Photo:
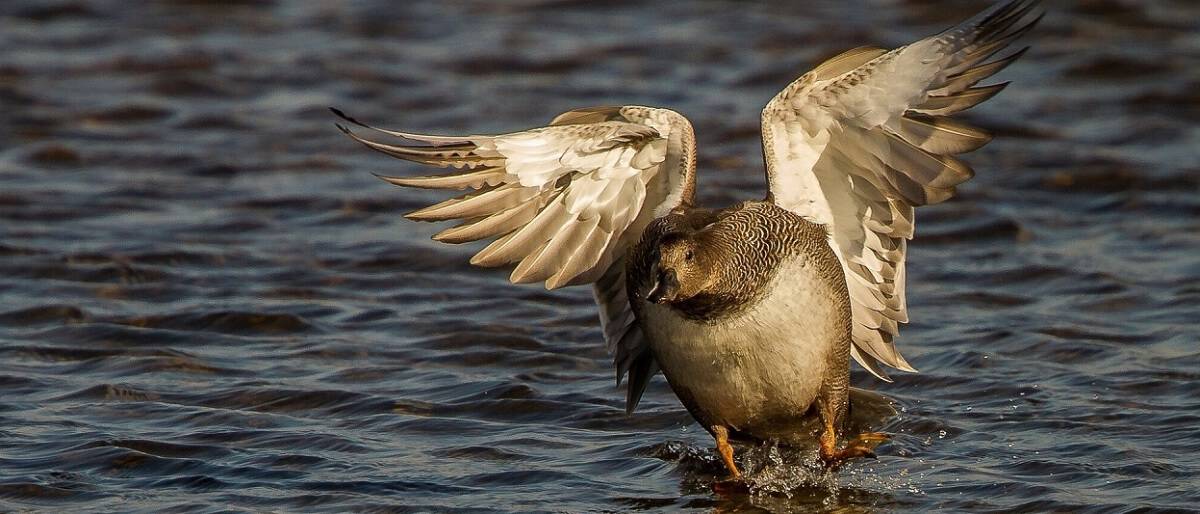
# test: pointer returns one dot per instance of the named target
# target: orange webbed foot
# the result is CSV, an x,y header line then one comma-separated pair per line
x,y
721,434
861,446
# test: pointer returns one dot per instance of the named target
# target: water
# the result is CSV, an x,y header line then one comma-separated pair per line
x,y
207,302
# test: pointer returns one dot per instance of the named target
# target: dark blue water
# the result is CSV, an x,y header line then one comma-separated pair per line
x,y
208,303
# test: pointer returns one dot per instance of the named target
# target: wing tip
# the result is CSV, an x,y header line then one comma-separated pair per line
x,y
880,374
395,181
631,405
486,259
449,236
1017,55
556,281
430,213
349,119
872,363
633,395
432,140
399,181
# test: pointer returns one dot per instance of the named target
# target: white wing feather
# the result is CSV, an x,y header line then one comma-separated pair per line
x,y
861,140
564,202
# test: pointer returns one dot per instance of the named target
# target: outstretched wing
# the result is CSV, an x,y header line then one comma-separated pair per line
x,y
564,202
861,140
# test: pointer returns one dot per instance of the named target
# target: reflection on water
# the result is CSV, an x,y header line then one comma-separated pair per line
x,y
207,302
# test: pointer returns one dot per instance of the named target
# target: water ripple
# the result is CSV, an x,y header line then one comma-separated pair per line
x,y
208,304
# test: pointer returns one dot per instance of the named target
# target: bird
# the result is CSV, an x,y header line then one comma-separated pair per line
x,y
752,312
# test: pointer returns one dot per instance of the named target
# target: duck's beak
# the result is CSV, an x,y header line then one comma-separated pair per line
x,y
666,287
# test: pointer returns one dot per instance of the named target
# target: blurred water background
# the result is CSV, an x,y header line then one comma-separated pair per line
x,y
207,302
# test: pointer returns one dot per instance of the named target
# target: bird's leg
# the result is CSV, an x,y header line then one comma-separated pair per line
x,y
862,445
833,405
721,434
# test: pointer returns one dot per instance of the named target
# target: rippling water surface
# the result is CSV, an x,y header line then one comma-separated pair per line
x,y
207,302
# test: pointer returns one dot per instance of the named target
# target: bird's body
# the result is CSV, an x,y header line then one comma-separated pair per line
x,y
770,336
752,312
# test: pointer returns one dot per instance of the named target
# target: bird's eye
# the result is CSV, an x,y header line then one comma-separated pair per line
x,y
687,256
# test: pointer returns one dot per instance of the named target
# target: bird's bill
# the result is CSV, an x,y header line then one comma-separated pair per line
x,y
665,288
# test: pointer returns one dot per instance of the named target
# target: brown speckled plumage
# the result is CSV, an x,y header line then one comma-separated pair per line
x,y
744,245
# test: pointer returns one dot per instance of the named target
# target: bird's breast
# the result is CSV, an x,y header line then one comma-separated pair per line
x,y
767,361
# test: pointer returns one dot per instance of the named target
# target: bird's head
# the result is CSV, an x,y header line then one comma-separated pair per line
x,y
678,270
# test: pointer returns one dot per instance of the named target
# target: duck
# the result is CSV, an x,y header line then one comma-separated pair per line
x,y
752,312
